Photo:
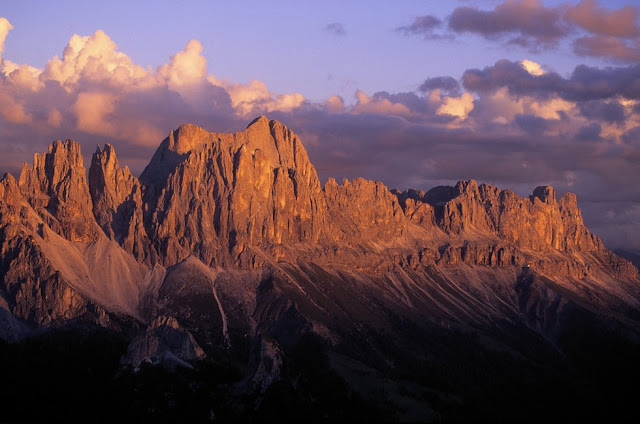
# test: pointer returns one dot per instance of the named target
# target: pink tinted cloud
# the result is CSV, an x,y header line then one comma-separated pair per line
x,y
525,21
598,20
607,46
5,27
601,32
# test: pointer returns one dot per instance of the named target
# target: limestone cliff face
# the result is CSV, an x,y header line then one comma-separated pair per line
x,y
362,211
416,208
253,200
226,192
227,246
56,187
117,204
576,235
538,223
34,290
164,343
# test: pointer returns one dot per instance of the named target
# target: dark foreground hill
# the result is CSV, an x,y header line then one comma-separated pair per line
x,y
227,283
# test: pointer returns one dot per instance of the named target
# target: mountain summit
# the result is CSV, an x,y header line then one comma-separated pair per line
x,y
228,249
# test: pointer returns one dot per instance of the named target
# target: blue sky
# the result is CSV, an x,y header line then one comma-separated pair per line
x,y
516,93
283,43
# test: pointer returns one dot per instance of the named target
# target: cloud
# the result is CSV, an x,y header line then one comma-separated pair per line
x,y
445,83
585,83
589,132
608,47
5,27
532,67
523,21
513,76
422,25
460,107
187,68
380,105
95,89
602,110
12,110
416,104
598,20
603,33
254,98
54,118
95,59
335,104
531,124
94,111
554,108
632,136
336,28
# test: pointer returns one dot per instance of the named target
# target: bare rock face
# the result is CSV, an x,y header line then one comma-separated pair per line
x,y
188,293
471,210
117,204
362,211
416,208
47,278
164,343
266,363
576,235
228,245
56,187
224,193
35,292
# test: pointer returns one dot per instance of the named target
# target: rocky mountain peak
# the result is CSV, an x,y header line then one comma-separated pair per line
x,y
362,211
466,187
10,199
118,205
260,122
109,185
8,180
228,247
221,193
56,187
546,194
187,137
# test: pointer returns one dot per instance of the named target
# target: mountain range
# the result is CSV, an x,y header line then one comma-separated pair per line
x,y
227,282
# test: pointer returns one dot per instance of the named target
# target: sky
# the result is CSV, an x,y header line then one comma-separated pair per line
x,y
515,93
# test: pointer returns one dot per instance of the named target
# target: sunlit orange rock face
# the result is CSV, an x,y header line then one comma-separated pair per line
x,y
217,194
56,187
538,222
229,240
252,197
227,197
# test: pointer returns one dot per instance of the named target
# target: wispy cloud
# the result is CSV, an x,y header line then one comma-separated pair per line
x,y
527,20
425,26
336,28
601,21
594,30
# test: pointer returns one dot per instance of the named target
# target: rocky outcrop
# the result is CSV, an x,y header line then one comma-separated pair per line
x,y
224,193
33,290
228,245
266,363
164,343
538,222
253,200
415,207
362,211
576,235
56,187
117,204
